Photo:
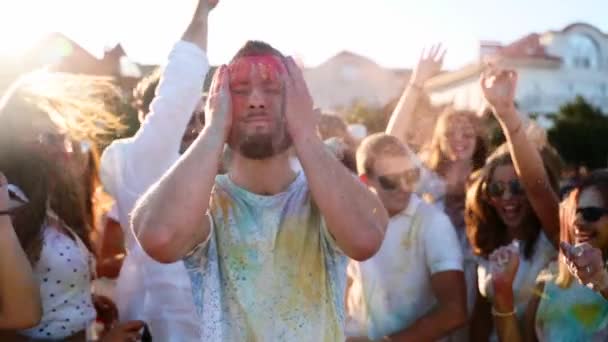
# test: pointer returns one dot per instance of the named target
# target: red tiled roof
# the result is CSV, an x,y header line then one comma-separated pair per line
x,y
526,47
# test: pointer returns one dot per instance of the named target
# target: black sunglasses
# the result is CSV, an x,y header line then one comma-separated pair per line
x,y
591,214
497,189
392,182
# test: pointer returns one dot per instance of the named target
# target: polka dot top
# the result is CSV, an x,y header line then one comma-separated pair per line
x,y
64,275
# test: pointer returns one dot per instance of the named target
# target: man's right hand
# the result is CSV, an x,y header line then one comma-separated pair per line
x,y
218,109
429,65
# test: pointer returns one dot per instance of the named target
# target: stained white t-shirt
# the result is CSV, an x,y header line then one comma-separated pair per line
x,y
270,270
392,290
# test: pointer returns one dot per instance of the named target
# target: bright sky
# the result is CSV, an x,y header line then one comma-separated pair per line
x,y
391,32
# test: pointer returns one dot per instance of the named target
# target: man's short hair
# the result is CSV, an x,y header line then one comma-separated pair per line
x,y
256,48
375,146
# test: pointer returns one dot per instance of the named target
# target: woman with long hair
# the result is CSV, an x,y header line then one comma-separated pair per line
x,y
41,117
512,203
564,308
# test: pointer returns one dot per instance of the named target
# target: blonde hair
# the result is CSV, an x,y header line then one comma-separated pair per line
x,y
375,146
436,159
80,104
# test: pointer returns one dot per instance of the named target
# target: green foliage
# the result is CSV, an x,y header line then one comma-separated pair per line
x,y
580,134
375,119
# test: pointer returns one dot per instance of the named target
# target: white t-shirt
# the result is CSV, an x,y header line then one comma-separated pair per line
x,y
524,285
159,294
270,270
392,290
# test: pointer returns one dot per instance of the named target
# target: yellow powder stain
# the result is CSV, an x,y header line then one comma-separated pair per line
x,y
220,200
411,237
587,314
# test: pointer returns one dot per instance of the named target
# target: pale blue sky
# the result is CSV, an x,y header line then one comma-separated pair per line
x,y
391,32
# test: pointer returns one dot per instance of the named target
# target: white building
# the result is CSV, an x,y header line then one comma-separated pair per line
x,y
554,67
349,78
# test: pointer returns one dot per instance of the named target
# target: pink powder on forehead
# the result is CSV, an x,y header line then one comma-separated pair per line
x,y
270,68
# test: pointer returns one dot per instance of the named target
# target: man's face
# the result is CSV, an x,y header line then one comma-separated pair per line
x,y
257,89
393,179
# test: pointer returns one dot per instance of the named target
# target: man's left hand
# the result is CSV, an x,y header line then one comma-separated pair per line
x,y
301,117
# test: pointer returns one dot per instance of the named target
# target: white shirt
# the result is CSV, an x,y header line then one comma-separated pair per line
x,y
156,293
392,290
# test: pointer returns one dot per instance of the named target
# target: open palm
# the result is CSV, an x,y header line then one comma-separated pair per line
x,y
429,64
498,87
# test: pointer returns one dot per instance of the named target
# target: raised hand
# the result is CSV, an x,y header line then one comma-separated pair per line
x,y
429,65
504,263
301,117
218,109
498,86
196,32
586,264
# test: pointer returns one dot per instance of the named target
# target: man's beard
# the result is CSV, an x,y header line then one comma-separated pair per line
x,y
263,146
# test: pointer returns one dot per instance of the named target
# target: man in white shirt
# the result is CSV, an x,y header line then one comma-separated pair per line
x,y
265,246
413,288
146,290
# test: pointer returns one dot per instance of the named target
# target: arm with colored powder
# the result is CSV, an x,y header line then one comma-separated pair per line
x,y
504,263
355,217
171,218
428,66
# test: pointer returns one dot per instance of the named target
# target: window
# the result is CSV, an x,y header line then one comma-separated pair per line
x,y
583,52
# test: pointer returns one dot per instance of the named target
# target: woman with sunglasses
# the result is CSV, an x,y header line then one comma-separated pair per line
x,y
566,309
511,203
52,227
20,305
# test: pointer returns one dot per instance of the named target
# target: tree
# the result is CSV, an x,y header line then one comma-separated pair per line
x,y
580,134
375,119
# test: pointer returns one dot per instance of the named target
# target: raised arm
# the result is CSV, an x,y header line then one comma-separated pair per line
x,y
428,66
170,219
20,304
498,86
155,146
354,216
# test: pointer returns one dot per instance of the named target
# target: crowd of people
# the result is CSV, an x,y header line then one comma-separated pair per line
x,y
242,213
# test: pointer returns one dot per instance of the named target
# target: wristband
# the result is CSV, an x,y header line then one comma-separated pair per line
x,y
502,314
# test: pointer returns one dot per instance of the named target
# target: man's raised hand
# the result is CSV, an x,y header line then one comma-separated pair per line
x,y
218,109
301,117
